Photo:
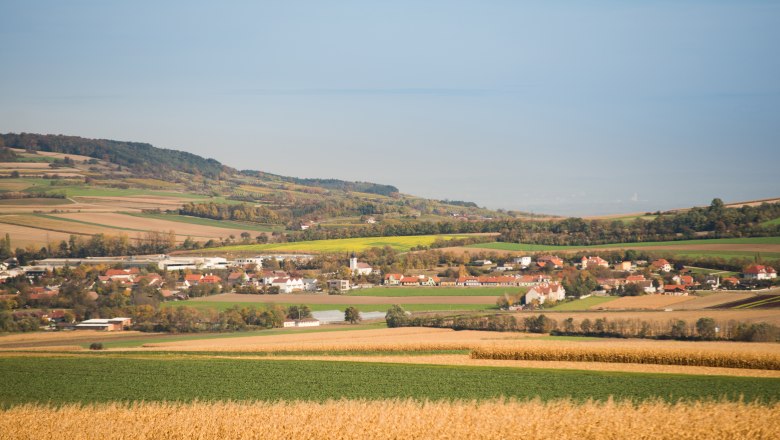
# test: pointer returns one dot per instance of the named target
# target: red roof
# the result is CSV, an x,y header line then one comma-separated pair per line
x,y
410,280
193,277
757,269
660,262
397,276
635,278
211,279
674,288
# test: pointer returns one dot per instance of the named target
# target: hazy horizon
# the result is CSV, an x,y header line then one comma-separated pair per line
x,y
559,108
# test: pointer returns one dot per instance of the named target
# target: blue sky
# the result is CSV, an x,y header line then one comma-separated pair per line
x,y
561,107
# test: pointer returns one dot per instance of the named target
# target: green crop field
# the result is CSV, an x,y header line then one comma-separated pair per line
x,y
402,243
582,304
773,222
438,291
103,378
220,305
227,224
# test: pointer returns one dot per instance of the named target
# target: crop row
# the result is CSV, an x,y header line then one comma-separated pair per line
x,y
758,361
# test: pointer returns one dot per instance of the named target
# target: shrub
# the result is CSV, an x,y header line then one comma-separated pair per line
x,y
96,346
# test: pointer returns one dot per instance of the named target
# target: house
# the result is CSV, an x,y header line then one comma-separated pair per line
x,y
240,278
370,220
393,279
210,279
122,274
307,225
410,281
661,265
152,280
192,279
532,280
483,263
505,267
759,272
593,262
339,285
288,285
448,282
545,292
310,284
647,286
109,325
683,280
524,262
429,281
635,278
468,281
713,281
623,266
544,260
359,268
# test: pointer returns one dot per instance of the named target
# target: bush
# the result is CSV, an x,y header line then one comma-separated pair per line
x,y
96,346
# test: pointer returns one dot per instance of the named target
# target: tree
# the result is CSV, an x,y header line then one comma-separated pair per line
x,y
396,316
705,327
679,330
585,325
352,315
298,312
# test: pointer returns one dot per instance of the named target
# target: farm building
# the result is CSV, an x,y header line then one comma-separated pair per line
x,y
109,325
305,322
593,262
661,265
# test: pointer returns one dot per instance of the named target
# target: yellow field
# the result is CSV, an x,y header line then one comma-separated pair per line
x,y
22,236
395,419
401,243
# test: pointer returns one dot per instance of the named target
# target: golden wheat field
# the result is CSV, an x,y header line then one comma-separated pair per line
x,y
395,419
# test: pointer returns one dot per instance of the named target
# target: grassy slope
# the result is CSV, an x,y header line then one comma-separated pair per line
x,y
403,243
203,305
208,222
583,304
437,291
104,378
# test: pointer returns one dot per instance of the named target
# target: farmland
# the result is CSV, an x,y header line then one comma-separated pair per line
x,y
61,380
400,243
208,222
408,419
374,306
583,304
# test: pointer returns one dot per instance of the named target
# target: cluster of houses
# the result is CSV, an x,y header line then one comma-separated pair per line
x,y
396,279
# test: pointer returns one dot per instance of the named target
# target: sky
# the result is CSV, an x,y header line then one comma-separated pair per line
x,y
560,107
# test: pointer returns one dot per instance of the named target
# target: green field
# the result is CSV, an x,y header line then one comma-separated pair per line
x,y
541,247
104,378
219,305
773,222
402,243
438,291
227,224
582,304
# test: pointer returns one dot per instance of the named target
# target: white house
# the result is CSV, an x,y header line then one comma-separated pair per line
x,y
245,261
545,292
505,267
359,268
524,262
310,284
593,262
393,279
759,272
662,265
288,285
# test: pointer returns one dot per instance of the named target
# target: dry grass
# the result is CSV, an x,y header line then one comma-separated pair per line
x,y
152,224
651,302
663,317
395,419
22,236
713,300
722,359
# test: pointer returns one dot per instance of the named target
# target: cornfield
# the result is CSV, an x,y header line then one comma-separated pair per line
x,y
758,361
393,419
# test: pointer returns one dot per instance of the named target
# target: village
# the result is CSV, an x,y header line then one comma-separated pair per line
x,y
541,280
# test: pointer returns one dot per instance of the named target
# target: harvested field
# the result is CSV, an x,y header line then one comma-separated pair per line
x,y
660,316
394,419
418,338
152,224
50,224
466,360
345,299
646,302
22,236
754,302
712,301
